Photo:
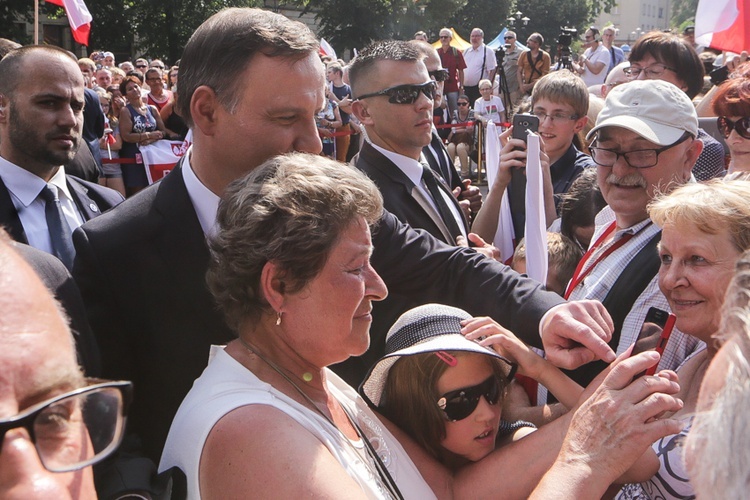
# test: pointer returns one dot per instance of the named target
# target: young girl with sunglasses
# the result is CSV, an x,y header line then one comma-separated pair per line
x,y
446,390
732,106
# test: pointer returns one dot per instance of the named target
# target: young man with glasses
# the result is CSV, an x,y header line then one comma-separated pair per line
x,y
561,101
54,423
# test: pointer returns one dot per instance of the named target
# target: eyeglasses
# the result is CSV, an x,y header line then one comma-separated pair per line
x,y
556,118
405,94
463,103
439,75
141,66
652,72
459,404
485,88
741,126
509,37
640,158
443,37
78,428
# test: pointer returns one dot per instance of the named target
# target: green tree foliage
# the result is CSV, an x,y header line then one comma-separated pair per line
x,y
159,28
683,13
13,15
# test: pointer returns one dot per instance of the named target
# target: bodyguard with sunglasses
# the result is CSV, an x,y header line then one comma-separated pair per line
x,y
54,424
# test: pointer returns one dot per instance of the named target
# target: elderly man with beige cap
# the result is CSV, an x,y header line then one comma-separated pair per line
x,y
644,143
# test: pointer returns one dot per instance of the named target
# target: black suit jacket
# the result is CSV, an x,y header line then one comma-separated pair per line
x,y
141,272
91,199
402,198
58,280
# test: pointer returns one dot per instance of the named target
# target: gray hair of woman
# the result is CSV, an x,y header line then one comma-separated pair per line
x,y
291,210
716,448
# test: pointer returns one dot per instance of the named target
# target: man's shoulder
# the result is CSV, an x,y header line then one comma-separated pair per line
x,y
107,195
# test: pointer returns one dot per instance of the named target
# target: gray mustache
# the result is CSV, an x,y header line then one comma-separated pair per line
x,y
629,180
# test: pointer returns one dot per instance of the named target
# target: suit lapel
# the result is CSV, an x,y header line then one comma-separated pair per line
x,y
182,247
389,169
9,216
86,206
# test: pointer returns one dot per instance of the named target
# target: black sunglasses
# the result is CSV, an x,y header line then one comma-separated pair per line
x,y
440,75
509,37
459,404
405,94
463,103
741,126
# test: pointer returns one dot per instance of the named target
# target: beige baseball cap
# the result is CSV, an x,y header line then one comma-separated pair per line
x,y
654,109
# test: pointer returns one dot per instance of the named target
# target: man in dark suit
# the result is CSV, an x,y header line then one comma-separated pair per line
x,y
397,132
141,267
41,118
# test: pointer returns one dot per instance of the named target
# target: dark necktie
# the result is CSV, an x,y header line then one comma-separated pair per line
x,y
437,146
445,212
59,230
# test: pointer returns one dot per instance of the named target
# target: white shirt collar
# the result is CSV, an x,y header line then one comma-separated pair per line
x,y
205,202
26,186
409,166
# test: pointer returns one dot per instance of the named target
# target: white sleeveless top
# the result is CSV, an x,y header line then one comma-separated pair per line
x,y
226,385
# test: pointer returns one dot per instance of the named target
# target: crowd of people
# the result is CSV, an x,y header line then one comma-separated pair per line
x,y
272,321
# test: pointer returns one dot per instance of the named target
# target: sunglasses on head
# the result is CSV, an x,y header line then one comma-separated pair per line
x,y
726,126
405,94
440,75
459,404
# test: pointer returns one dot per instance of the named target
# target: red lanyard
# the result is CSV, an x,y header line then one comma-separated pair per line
x,y
579,276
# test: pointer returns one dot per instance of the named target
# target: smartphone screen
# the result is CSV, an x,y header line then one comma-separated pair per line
x,y
654,334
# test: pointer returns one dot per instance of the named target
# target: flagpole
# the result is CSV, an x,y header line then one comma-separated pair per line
x,y
36,22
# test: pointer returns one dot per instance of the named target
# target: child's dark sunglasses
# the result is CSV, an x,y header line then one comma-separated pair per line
x,y
459,404
405,94
741,126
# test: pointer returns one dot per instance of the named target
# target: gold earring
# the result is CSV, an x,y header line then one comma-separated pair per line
x,y
278,318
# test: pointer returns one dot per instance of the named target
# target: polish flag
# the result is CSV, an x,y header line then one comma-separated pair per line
x,y
326,49
79,18
723,25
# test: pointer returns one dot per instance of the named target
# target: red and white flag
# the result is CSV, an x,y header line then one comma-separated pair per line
x,y
326,49
160,157
723,24
79,18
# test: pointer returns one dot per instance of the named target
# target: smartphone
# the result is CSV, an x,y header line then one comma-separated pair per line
x,y
654,335
523,122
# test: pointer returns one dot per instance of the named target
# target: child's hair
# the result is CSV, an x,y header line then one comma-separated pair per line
x,y
410,396
562,256
581,203
563,87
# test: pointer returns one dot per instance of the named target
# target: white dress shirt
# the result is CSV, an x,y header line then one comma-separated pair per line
x,y
413,170
205,202
24,188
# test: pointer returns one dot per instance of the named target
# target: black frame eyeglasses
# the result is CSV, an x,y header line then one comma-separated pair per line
x,y
650,73
78,428
643,158
405,94
439,75
741,126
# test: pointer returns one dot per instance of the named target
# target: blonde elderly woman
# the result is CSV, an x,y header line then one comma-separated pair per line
x,y
267,418
716,449
705,229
